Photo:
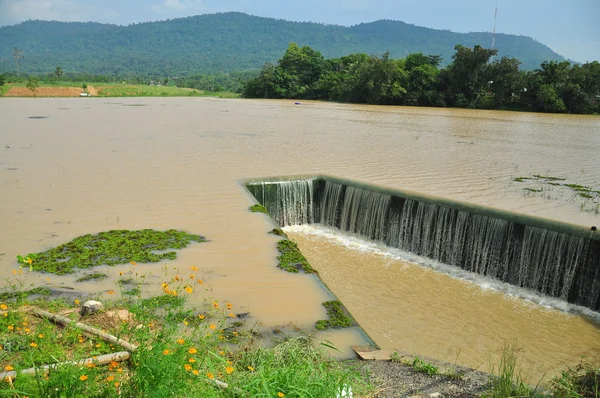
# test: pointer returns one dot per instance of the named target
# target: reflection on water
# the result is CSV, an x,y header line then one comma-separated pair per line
x,y
92,166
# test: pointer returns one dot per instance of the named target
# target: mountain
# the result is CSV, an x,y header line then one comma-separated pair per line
x,y
228,42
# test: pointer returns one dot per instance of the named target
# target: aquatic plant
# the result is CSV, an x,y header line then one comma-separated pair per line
x,y
110,248
338,316
90,277
291,259
258,208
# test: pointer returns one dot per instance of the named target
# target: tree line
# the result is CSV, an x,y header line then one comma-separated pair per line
x,y
474,79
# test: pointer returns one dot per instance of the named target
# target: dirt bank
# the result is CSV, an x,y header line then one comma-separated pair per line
x,y
45,92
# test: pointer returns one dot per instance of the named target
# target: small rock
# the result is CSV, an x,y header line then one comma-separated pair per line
x,y
91,307
121,315
435,395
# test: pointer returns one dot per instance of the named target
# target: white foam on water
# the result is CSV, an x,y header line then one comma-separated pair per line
x,y
352,242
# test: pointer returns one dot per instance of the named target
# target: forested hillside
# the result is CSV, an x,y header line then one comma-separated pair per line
x,y
227,42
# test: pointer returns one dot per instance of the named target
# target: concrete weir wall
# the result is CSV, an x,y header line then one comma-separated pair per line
x,y
554,258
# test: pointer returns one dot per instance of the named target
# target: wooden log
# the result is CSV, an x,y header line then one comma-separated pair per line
x,y
97,332
45,369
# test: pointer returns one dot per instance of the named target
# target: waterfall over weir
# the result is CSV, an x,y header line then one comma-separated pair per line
x,y
557,259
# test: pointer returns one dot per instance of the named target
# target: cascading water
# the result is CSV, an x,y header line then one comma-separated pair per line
x,y
554,263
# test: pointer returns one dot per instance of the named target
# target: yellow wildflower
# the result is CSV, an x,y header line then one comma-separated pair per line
x,y
191,360
189,289
41,336
187,367
229,369
200,281
192,351
201,316
210,375
194,268
3,307
166,352
196,372
83,377
77,302
213,326
250,368
110,378
33,344
280,394
8,368
180,341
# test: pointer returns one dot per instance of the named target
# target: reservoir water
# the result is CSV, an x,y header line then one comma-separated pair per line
x,y
74,166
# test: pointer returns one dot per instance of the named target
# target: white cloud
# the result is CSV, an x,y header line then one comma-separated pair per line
x,y
14,11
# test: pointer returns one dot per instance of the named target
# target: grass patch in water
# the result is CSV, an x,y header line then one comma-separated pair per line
x,y
338,316
24,294
110,248
91,277
278,232
291,259
533,189
258,208
521,179
549,178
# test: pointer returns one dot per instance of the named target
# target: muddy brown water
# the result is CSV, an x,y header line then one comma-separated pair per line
x,y
94,165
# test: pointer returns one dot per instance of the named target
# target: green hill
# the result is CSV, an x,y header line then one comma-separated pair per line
x,y
227,42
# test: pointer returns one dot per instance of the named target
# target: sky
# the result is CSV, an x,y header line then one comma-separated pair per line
x,y
569,27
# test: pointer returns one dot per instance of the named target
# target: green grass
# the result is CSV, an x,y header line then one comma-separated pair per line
x,y
578,382
258,208
423,367
110,248
338,316
91,277
291,259
278,232
181,352
506,380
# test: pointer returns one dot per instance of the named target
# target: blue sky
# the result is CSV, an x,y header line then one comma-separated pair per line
x,y
569,27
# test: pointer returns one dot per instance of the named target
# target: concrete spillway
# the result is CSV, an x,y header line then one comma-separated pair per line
x,y
556,259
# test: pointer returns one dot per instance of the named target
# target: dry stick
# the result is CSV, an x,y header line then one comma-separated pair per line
x,y
66,321
100,360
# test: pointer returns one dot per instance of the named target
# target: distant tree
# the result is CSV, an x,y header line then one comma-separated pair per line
x,y
32,84
2,80
58,72
17,54
84,86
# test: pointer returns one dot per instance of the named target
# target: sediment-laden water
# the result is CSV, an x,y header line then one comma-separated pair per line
x,y
95,164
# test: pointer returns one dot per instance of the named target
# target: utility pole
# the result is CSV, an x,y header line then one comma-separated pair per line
x,y
494,31
18,54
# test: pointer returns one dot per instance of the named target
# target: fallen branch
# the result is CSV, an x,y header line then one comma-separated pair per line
x,y
97,332
45,369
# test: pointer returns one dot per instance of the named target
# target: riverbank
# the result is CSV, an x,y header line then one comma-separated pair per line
x,y
76,89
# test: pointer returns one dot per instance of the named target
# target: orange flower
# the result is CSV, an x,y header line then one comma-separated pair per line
x,y
200,281
201,316
33,344
110,378
117,384
189,289
250,368
98,345
212,326
222,353
133,263
280,394
163,285
41,336
229,369
27,330
11,327
3,307
83,377
111,292
77,302
166,352
180,341
113,365
194,268
187,367
231,315
192,351
192,276
196,372
8,368
215,304
90,365
191,360
210,375
229,305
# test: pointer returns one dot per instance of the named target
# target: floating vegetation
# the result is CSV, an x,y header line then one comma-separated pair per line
x,y
110,248
90,277
590,197
258,208
291,259
338,315
41,291
278,232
